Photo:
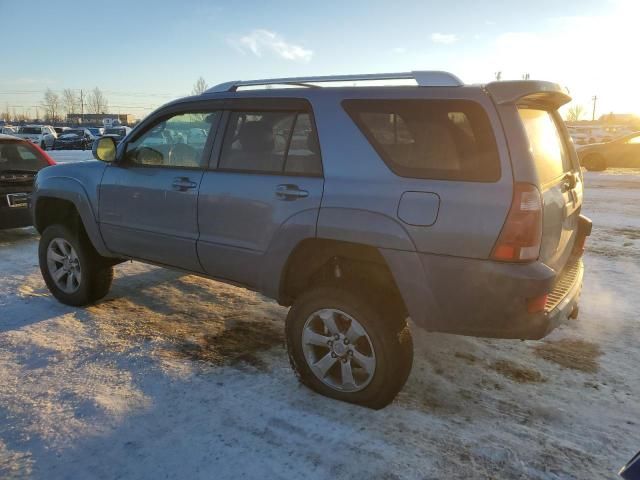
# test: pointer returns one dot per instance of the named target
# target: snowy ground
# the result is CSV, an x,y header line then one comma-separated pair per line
x,y
174,376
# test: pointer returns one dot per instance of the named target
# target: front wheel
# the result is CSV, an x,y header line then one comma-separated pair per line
x,y
43,145
72,269
346,346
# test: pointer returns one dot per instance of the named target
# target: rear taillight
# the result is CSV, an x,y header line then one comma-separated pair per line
x,y
519,240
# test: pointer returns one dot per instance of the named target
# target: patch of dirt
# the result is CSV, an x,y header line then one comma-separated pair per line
x,y
469,357
631,233
575,354
517,373
237,344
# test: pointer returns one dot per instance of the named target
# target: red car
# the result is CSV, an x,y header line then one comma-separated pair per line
x,y
20,161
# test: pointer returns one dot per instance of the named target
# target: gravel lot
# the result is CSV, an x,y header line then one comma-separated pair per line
x,y
174,376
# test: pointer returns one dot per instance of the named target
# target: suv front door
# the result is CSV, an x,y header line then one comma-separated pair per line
x,y
148,199
269,174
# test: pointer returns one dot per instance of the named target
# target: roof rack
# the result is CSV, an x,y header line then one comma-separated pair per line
x,y
423,78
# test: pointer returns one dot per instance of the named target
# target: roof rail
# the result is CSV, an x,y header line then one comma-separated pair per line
x,y
423,78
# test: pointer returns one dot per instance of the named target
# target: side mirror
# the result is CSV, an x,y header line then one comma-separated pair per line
x,y
104,149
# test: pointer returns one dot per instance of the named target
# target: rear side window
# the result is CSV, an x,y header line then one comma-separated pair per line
x,y
545,143
434,139
271,142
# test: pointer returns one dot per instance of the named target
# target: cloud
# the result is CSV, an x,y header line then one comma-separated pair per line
x,y
399,50
259,42
444,38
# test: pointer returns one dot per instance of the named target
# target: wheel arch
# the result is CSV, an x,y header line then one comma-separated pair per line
x,y
64,200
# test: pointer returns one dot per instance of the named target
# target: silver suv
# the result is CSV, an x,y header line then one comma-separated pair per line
x,y
358,203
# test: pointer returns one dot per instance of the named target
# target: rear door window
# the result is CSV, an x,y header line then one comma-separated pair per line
x,y
545,142
433,139
271,142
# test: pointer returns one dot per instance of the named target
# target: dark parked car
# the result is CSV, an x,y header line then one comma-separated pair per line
x,y
623,152
117,133
20,160
74,139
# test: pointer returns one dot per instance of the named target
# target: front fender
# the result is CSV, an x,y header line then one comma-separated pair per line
x,y
75,192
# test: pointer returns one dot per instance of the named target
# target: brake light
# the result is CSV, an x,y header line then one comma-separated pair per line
x,y
520,238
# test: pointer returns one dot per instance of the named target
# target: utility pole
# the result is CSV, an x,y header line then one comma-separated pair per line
x,y
81,106
593,114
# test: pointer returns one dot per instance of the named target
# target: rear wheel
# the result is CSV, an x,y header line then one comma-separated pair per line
x,y
73,271
348,346
595,162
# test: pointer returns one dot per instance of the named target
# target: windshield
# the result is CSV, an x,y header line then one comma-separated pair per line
x,y
31,130
20,156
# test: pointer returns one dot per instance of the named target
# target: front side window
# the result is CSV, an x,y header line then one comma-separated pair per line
x,y
271,142
547,149
433,139
178,141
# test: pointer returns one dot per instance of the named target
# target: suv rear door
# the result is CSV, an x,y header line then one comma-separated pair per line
x,y
560,182
266,172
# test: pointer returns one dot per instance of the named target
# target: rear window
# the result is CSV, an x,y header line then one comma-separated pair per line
x,y
434,139
545,143
31,130
20,156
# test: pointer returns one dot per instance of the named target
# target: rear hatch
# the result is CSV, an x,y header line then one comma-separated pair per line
x,y
560,182
542,154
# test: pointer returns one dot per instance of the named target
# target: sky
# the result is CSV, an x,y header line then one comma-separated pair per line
x,y
145,53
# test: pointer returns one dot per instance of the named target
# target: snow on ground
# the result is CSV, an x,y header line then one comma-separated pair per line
x,y
175,376
66,156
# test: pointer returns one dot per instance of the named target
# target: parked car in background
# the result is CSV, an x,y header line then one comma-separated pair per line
x,y
8,130
42,135
623,152
74,139
96,131
61,130
20,160
456,205
117,133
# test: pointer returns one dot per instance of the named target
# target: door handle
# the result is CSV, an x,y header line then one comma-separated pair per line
x,y
183,184
290,192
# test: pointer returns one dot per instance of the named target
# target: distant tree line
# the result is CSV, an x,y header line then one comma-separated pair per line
x,y
73,101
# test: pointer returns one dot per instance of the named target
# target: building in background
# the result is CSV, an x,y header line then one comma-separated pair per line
x,y
98,119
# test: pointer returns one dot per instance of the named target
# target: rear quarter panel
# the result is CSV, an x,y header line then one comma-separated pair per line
x,y
362,194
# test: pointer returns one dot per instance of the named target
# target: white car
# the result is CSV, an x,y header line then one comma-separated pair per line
x,y
7,130
42,135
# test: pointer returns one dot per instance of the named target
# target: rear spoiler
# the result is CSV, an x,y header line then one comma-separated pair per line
x,y
528,92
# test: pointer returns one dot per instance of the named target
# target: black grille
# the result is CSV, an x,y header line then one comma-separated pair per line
x,y
563,285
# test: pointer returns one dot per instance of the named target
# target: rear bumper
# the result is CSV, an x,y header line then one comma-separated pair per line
x,y
483,298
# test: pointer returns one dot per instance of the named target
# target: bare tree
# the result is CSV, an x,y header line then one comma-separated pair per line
x,y
97,102
51,104
575,112
498,76
70,101
199,87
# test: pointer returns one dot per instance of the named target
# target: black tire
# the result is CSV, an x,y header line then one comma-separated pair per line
x,y
43,145
595,162
386,328
96,271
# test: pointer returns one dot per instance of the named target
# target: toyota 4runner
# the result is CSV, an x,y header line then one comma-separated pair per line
x,y
360,201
